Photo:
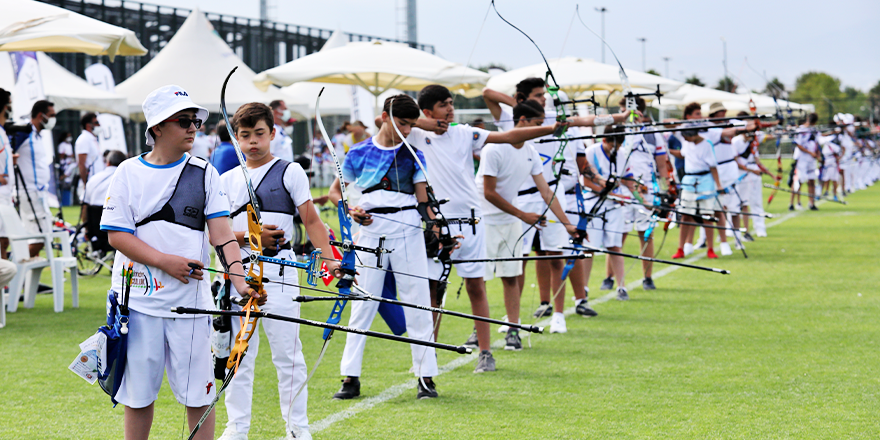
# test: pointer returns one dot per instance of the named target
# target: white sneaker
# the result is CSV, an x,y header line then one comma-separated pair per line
x,y
557,323
725,249
299,434
505,328
700,242
761,234
232,434
688,249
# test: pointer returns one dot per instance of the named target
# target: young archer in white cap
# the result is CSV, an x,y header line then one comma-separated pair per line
x,y
155,214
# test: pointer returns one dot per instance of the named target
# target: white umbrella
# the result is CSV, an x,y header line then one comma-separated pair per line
x,y
28,25
198,60
376,66
579,75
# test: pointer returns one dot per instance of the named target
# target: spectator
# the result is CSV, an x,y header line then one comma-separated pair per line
x,y
282,145
88,152
224,158
6,170
201,144
93,200
34,168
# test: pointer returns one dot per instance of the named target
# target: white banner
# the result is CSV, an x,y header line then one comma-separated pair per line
x,y
28,85
112,131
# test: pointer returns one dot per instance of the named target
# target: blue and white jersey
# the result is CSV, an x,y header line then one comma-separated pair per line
x,y
368,165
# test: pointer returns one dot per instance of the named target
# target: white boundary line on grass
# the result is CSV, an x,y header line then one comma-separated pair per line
x,y
396,390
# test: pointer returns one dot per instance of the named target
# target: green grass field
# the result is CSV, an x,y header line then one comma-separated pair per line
x,y
787,346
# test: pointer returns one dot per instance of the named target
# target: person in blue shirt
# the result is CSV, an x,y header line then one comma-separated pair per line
x,y
223,158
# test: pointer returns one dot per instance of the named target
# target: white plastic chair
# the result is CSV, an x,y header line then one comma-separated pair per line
x,y
27,280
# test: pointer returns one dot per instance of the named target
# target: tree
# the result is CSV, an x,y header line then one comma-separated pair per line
x,y
820,89
726,84
695,80
775,87
653,72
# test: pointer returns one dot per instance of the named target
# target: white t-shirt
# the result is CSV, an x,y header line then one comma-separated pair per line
x,y
807,139
643,151
830,150
451,158
6,167
65,148
282,146
96,188
87,144
741,144
599,159
698,158
34,163
510,166
139,189
201,146
295,182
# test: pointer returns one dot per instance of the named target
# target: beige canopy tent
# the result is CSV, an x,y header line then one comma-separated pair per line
x,y
198,60
28,25
376,66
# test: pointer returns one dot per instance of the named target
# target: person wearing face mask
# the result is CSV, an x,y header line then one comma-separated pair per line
x,y
88,151
33,172
282,145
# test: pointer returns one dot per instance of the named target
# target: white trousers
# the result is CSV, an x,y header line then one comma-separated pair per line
x,y
750,189
408,257
287,355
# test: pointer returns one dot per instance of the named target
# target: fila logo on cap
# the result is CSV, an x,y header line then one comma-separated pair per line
x,y
180,93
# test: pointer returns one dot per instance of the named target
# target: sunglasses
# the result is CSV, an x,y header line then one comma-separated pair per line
x,y
184,122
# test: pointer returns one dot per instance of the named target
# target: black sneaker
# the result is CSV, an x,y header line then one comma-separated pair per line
x,y
813,208
349,390
544,310
485,362
748,237
512,342
648,284
607,284
791,207
584,310
426,389
622,295
472,341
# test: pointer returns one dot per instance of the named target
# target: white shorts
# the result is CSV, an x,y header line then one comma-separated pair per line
x,y
806,170
731,201
690,205
608,232
830,173
550,237
501,243
43,215
637,218
472,247
5,200
180,346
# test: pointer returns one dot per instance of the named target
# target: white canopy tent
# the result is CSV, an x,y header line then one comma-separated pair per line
x,y
28,25
336,99
733,102
66,90
577,76
377,66
198,60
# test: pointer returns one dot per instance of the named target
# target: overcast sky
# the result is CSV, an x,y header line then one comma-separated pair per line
x,y
783,38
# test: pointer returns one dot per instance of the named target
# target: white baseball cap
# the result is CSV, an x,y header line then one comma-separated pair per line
x,y
163,103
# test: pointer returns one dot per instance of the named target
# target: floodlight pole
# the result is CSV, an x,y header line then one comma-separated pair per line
x,y
643,41
602,11
666,60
